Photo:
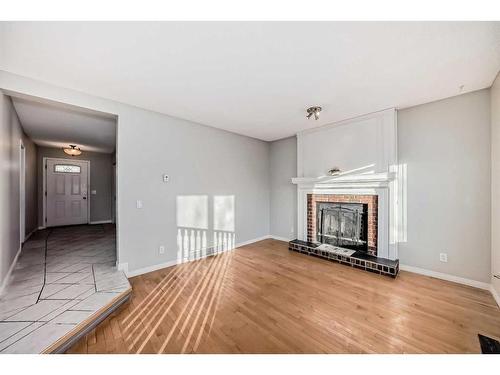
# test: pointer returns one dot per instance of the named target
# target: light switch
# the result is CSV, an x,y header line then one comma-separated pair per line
x,y
93,192
139,204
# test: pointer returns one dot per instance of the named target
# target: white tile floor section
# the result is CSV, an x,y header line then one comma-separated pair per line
x,y
62,277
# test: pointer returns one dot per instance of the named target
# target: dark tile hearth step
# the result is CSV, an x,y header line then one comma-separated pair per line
x,y
359,259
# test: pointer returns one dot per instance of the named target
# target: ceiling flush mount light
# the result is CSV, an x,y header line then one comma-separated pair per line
x,y
72,150
313,111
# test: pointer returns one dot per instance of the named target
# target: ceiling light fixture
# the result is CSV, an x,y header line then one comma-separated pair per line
x,y
313,111
72,150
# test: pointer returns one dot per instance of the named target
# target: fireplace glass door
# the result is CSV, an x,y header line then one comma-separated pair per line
x,y
343,224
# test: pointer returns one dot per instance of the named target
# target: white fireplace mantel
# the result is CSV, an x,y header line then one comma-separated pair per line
x,y
363,180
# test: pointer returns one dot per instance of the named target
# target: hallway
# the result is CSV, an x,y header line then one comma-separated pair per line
x,y
64,281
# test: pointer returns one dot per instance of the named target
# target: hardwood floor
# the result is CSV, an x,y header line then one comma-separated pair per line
x,y
262,298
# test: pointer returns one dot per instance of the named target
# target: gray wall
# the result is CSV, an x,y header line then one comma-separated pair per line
x,y
101,169
10,135
495,183
201,161
282,167
445,146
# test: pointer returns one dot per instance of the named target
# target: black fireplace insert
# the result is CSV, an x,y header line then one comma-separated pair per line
x,y
343,224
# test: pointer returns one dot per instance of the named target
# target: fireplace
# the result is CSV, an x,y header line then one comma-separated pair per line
x,y
343,224
347,221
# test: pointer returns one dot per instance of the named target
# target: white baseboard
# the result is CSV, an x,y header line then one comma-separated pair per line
x,y
6,279
140,271
29,235
280,238
495,294
445,276
101,222
252,241
148,269
122,267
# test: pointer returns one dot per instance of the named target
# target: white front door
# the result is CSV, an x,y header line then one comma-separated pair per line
x,y
66,189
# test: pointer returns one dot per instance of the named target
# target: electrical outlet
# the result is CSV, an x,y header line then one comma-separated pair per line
x,y
166,178
161,250
443,257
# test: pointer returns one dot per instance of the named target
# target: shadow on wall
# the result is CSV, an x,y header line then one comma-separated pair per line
x,y
197,235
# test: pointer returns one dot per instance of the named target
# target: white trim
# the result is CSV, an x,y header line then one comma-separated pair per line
x,y
22,192
495,294
101,222
29,234
6,279
140,271
122,267
143,270
41,227
447,277
44,189
344,179
252,241
278,238
300,168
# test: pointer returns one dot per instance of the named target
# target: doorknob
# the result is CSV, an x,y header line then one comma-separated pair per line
x,y
84,197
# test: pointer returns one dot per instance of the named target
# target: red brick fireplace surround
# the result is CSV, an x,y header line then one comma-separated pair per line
x,y
370,200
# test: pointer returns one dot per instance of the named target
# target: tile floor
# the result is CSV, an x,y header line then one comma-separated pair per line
x,y
62,277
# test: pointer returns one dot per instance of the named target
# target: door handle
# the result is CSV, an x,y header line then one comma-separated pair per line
x,y
84,197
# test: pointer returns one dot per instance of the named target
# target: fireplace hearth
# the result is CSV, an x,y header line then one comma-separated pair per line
x,y
359,259
344,228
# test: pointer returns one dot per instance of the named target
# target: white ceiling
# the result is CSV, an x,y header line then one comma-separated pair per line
x,y
54,125
257,78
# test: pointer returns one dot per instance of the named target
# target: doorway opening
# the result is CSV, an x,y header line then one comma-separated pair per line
x,y
62,187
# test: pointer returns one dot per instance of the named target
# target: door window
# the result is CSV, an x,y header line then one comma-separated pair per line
x,y
66,168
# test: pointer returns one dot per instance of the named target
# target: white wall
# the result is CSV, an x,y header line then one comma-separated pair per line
x,y
362,145
445,148
10,135
200,160
101,170
282,167
495,185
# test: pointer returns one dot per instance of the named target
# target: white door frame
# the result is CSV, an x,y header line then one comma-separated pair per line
x,y
113,195
44,194
22,192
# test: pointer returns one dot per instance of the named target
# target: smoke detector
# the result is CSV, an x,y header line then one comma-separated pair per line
x,y
313,111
